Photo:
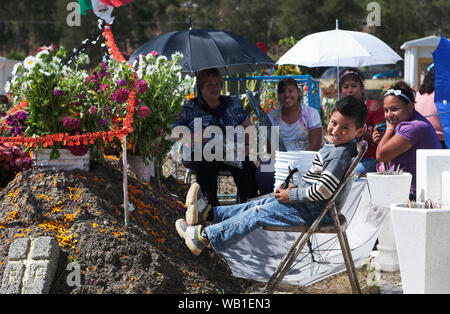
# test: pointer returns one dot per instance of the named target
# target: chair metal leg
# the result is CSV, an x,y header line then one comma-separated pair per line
x,y
292,254
298,246
346,252
281,267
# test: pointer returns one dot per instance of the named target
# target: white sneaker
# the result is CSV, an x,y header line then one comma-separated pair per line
x,y
197,206
192,236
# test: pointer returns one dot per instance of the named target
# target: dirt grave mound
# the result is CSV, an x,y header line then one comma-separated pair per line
x,y
84,212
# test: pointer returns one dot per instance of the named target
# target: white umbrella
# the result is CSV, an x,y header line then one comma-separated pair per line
x,y
339,48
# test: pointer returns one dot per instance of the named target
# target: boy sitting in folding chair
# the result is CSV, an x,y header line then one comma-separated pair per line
x,y
294,206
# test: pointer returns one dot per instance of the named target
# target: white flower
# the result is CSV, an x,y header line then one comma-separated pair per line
x,y
44,72
29,62
65,70
177,56
41,53
54,66
56,59
15,68
84,59
7,87
161,60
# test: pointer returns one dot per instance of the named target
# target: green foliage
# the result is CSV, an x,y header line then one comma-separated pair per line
x,y
27,25
161,92
287,42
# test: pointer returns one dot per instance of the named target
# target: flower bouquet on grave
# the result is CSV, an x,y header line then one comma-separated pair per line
x,y
59,101
161,92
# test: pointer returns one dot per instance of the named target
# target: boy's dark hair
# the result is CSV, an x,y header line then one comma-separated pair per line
x,y
353,108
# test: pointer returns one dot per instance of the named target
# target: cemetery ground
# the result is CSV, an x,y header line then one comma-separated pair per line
x,y
83,211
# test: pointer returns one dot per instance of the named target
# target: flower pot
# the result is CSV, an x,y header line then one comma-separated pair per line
x,y
385,190
423,245
137,166
66,161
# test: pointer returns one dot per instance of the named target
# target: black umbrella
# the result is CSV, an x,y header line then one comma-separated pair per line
x,y
209,48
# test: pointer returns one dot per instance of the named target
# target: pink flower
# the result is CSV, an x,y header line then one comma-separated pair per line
x,y
92,110
51,48
142,86
121,95
143,112
58,92
71,123
154,53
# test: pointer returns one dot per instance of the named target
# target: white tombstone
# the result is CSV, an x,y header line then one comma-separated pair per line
x,y
421,234
430,164
423,246
446,187
385,190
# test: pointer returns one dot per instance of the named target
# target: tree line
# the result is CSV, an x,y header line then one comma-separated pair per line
x,y
26,25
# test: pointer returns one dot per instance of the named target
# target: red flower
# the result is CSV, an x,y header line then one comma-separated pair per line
x,y
143,112
115,3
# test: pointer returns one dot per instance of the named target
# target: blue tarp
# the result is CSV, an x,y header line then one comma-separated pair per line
x,y
441,58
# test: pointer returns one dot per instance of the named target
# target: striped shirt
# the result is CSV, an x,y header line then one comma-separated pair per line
x,y
328,169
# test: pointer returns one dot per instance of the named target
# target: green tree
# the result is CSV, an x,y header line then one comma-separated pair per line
x,y
299,18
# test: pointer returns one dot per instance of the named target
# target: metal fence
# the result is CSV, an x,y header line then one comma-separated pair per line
x,y
237,86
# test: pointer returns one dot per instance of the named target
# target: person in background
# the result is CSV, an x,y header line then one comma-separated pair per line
x,y
406,131
300,127
425,104
351,83
222,111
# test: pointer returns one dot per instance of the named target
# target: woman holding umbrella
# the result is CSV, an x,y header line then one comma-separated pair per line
x,y
222,111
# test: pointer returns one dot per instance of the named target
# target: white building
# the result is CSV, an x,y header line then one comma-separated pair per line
x,y
418,56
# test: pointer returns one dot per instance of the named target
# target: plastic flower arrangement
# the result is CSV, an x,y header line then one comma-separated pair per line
x,y
61,100
161,92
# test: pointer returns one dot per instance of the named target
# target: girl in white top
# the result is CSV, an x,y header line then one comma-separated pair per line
x,y
300,126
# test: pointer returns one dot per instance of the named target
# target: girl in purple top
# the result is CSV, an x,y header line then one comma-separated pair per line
x,y
406,131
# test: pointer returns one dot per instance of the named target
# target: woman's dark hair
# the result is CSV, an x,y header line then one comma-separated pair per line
x,y
284,83
427,86
408,91
353,108
350,74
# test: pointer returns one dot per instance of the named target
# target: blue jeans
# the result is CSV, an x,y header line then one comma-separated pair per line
x,y
234,222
